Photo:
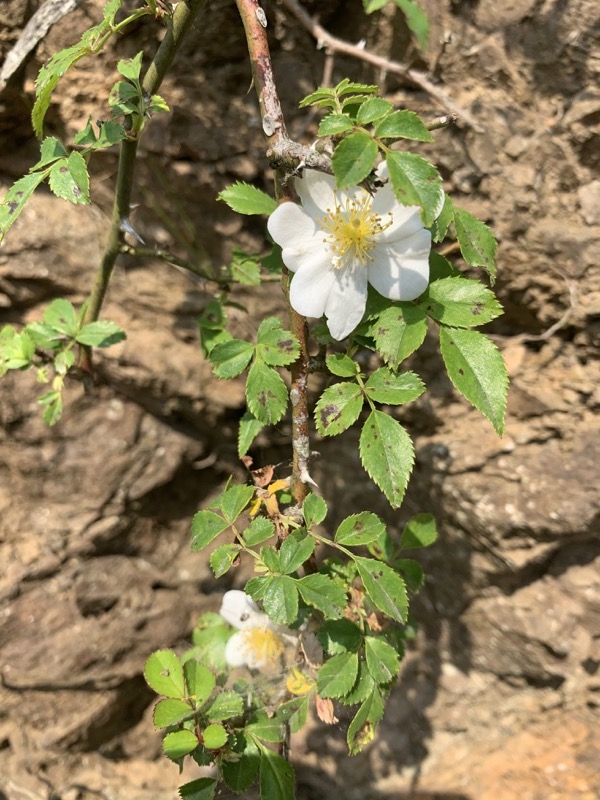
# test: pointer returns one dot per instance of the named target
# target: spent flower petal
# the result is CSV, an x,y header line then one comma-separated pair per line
x,y
258,643
338,241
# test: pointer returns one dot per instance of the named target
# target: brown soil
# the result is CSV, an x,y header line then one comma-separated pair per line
x,y
499,696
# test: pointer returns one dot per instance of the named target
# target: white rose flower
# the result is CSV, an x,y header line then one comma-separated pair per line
x,y
259,643
339,241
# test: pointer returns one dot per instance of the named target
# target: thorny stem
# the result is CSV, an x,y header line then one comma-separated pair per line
x,y
335,45
279,144
183,17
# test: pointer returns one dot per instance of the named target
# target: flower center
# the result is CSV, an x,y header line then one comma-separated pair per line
x,y
352,229
262,647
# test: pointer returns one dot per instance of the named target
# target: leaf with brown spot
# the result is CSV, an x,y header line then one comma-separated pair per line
x,y
338,407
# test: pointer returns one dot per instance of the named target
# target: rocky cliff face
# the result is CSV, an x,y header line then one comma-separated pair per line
x,y
500,694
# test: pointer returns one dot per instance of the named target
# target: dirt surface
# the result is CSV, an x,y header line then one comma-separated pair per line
x,y
500,694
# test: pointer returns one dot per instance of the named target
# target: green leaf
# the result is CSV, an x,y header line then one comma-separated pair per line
x,y
200,789
338,407
460,303
124,98
86,137
384,586
214,736
234,500
245,269
50,150
346,86
399,331
373,109
324,594
419,531
266,394
382,548
321,98
342,365
295,712
334,124
130,68
416,19
222,558
206,526
54,407
440,267
102,333
383,661
16,198
164,674
295,550
270,558
387,454
200,682
64,361
229,359
412,572
337,676
248,430
403,125
353,159
269,729
477,242
259,530
246,199
361,730
385,386
209,643
416,182
61,316
276,346
239,775
314,510
79,173
476,368
339,636
439,229
373,5
363,687
111,133
170,712
276,776
280,599
358,529
226,705
157,105
179,744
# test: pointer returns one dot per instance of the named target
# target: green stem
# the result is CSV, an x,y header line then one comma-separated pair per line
x,y
183,18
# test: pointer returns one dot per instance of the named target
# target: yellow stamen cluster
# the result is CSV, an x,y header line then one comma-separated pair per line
x,y
352,229
265,645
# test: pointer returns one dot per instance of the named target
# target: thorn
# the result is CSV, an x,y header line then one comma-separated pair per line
x,y
127,227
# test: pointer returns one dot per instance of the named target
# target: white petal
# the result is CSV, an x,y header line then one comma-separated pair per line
x,y
401,272
313,252
291,226
316,191
405,219
312,284
346,301
382,171
236,650
241,611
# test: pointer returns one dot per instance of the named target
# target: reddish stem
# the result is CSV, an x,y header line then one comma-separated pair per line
x,y
273,125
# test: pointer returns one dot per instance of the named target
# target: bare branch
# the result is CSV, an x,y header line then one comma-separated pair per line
x,y
334,45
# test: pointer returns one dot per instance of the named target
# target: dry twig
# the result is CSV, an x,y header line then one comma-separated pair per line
x,y
334,45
